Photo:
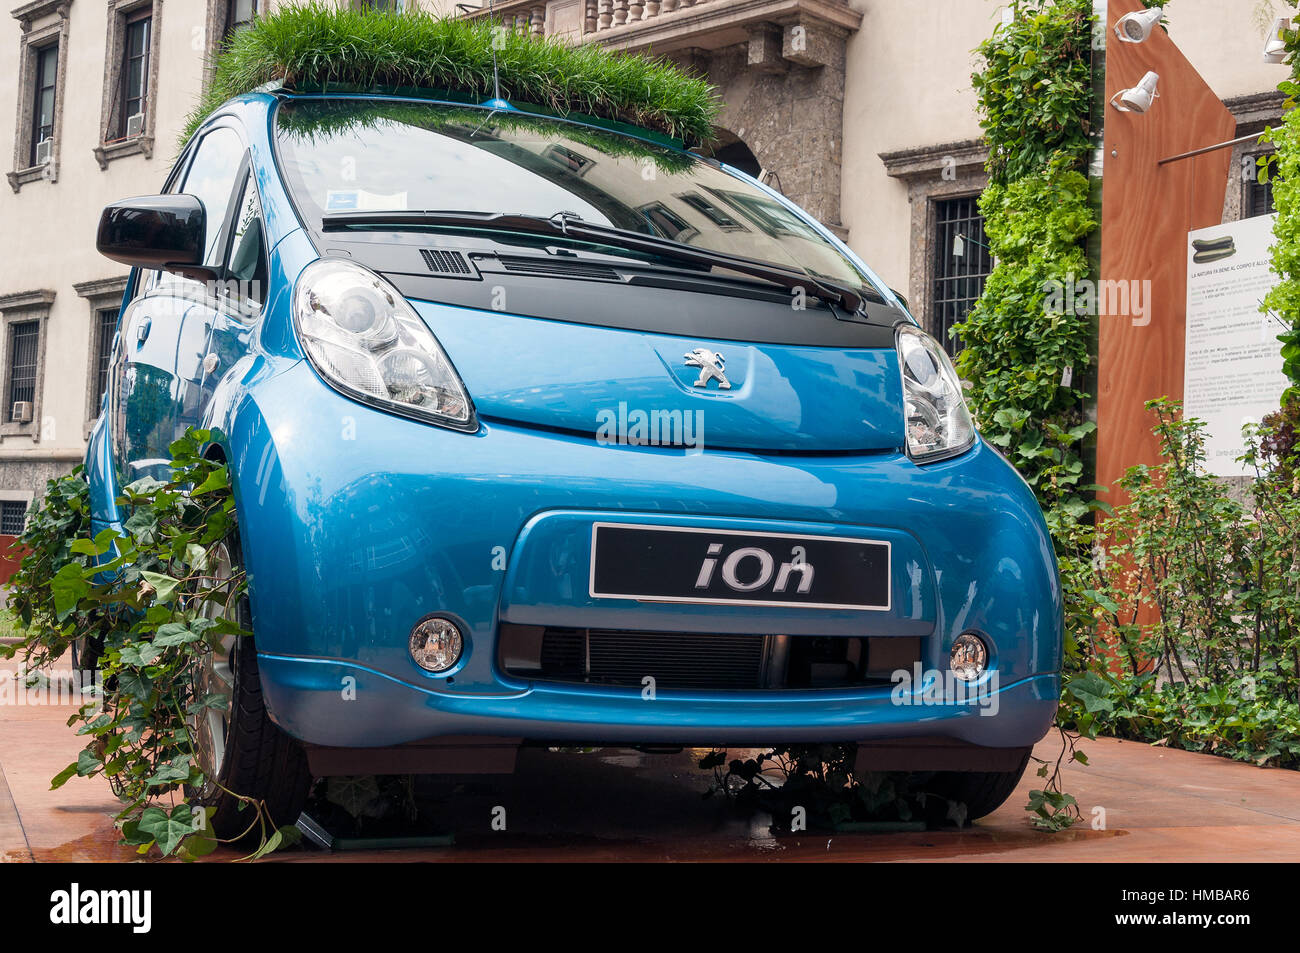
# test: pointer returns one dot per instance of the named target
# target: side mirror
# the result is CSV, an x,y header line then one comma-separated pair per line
x,y
899,295
156,231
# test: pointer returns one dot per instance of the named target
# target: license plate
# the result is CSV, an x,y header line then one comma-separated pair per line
x,y
710,566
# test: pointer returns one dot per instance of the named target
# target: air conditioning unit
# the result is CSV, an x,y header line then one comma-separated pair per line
x,y
22,412
134,125
44,150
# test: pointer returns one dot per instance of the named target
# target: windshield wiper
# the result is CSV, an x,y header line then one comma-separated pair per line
x,y
568,225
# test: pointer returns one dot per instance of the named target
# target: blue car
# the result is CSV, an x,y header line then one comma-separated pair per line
x,y
546,431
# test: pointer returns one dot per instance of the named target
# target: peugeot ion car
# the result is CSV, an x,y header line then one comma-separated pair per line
x,y
547,431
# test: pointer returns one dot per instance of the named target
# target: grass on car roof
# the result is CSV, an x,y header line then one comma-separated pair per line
x,y
312,45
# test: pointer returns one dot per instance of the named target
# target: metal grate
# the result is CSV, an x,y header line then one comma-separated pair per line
x,y
13,517
24,337
674,660
106,321
701,660
958,278
445,262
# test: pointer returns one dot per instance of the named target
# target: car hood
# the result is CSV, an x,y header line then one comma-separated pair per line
x,y
635,387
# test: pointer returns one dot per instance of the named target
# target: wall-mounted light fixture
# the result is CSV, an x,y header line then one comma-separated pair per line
x,y
1275,45
1140,97
1136,27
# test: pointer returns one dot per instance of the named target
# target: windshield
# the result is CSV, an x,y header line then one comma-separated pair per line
x,y
341,155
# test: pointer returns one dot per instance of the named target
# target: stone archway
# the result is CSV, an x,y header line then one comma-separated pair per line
x,y
734,151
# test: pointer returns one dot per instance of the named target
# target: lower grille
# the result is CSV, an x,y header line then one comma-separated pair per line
x,y
693,660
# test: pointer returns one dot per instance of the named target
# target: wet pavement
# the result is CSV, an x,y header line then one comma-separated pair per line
x,y
1152,804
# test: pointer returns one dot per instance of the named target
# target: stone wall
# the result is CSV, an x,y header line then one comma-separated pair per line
x,y
29,476
791,117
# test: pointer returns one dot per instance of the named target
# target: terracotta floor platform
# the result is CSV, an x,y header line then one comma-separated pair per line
x,y
1159,805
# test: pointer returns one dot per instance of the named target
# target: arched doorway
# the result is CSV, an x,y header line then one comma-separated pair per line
x,y
735,152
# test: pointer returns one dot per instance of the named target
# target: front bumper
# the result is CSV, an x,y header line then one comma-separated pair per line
x,y
356,523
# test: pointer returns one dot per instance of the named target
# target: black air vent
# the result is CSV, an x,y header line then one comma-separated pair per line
x,y
702,660
561,269
446,262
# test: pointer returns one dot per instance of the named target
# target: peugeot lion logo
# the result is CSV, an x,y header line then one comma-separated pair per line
x,y
712,365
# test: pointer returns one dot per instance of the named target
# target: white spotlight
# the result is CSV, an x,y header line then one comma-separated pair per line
x,y
1275,45
1136,27
1140,97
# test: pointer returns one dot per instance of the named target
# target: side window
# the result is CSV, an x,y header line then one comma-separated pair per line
x,y
211,178
246,266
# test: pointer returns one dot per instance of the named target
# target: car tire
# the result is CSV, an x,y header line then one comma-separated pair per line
x,y
983,792
257,758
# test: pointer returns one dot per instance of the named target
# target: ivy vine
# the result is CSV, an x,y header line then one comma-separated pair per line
x,y
141,602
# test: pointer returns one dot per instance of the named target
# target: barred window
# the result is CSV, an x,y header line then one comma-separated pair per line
x,y
13,517
24,354
105,328
961,265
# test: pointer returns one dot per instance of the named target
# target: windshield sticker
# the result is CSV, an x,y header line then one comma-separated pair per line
x,y
359,200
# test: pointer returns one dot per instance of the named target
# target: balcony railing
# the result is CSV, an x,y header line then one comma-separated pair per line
x,y
666,25
597,15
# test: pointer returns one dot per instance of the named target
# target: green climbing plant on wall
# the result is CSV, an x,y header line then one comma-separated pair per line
x,y
1024,354
1283,170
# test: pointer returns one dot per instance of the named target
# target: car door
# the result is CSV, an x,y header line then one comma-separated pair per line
x,y
158,385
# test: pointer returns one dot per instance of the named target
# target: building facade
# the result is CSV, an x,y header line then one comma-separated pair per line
x,y
860,110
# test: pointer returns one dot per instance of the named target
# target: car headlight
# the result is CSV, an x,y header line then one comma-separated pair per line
x,y
938,422
366,340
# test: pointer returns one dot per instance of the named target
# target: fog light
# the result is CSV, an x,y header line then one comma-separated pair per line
x,y
436,644
970,657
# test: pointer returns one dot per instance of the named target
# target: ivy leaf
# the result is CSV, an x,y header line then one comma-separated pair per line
x,y
358,795
1093,690
172,772
63,776
196,845
140,654
174,633
167,830
69,586
133,684
272,843
87,763
84,547
218,479
164,586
